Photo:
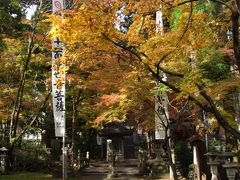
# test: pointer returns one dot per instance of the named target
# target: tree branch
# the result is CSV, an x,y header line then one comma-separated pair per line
x,y
123,47
170,72
213,110
33,120
223,3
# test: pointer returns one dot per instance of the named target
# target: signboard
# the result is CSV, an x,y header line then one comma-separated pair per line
x,y
58,79
57,5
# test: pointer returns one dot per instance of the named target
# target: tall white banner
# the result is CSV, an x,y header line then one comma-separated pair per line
x,y
161,98
58,79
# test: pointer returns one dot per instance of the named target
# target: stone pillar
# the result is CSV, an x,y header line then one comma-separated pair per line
x,y
109,141
173,160
197,173
87,159
111,159
122,148
2,163
214,169
79,159
3,152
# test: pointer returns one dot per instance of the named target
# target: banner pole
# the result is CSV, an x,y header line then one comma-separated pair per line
x,y
58,88
64,174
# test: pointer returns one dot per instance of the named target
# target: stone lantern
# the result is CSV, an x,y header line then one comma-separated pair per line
x,y
3,155
231,169
214,169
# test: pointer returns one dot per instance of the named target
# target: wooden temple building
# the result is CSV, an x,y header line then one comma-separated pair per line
x,y
122,140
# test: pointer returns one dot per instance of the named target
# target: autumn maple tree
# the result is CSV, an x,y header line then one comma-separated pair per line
x,y
194,53
24,79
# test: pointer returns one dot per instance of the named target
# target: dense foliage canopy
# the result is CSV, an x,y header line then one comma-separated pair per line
x,y
197,53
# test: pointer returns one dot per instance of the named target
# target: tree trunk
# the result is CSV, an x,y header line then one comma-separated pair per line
x,y
17,104
235,31
73,130
171,163
75,102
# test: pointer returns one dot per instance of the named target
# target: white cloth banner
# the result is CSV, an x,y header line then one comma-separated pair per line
x,y
58,88
159,22
58,80
161,114
161,98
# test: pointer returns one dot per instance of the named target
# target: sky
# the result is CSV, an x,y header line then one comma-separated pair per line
x,y
30,11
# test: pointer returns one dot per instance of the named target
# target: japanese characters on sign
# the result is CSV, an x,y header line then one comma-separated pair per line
x,y
58,79
161,114
161,98
58,88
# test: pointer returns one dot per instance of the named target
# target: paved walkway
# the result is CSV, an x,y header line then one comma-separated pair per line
x,y
126,170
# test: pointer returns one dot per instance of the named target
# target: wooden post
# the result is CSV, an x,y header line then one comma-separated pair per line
x,y
64,160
